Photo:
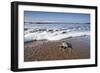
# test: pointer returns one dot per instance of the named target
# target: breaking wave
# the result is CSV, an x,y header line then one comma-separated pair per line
x,y
44,34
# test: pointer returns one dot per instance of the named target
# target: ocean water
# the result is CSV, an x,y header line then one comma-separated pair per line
x,y
58,26
55,31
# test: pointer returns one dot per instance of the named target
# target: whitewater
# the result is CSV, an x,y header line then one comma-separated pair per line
x,y
55,35
52,32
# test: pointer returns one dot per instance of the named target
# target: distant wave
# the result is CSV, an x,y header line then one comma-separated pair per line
x,y
43,34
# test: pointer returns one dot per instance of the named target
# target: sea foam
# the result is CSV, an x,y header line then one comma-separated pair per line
x,y
52,36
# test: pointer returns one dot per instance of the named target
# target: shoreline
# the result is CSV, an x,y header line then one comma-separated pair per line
x,y
44,50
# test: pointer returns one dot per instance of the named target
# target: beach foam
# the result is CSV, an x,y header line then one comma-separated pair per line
x,y
55,35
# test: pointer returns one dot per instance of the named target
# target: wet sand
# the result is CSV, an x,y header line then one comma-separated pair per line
x,y
51,50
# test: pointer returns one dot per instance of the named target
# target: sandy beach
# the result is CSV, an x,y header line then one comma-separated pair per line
x,y
51,50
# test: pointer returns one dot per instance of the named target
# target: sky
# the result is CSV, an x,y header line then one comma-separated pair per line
x,y
36,16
